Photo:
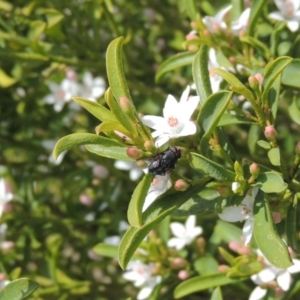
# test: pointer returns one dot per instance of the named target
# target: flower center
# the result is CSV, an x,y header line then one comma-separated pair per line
x,y
173,122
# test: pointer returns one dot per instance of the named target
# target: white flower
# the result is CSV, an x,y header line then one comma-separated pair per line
x,y
217,22
270,274
159,185
5,194
184,234
242,212
176,121
141,274
92,88
289,12
241,24
134,173
61,93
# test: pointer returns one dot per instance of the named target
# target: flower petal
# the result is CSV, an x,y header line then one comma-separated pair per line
x,y
258,293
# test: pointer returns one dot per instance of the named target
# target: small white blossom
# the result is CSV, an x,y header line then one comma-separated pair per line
x,y
176,120
271,274
184,234
92,88
242,212
218,21
5,194
134,173
289,12
141,274
61,93
241,24
159,185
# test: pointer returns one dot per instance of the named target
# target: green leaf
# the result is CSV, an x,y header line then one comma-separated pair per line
x,y
114,66
229,119
211,168
201,74
274,156
37,27
264,144
5,80
294,111
270,182
106,250
206,265
201,283
256,8
236,85
258,45
134,212
174,62
291,225
156,212
94,143
273,98
210,115
18,289
53,16
290,75
96,109
227,232
271,72
266,235
217,294
191,9
229,258
207,200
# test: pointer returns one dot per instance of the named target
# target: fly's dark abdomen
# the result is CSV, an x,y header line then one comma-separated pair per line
x,y
164,161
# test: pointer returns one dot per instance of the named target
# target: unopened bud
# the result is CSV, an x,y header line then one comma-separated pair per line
x,y
191,35
149,146
192,48
224,191
133,152
259,78
181,185
193,25
183,274
126,104
254,169
270,133
232,59
223,268
276,217
253,82
178,263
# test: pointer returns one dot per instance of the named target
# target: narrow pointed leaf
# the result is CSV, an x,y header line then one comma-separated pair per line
x,y
201,74
211,168
191,9
18,289
236,85
210,115
201,283
290,75
114,66
258,45
155,213
256,9
272,71
134,212
96,109
291,226
174,62
94,143
229,119
217,294
106,250
266,235
294,110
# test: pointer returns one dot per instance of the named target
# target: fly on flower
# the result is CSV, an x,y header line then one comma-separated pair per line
x,y
164,162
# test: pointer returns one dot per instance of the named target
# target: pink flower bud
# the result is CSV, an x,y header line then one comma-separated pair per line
x,y
253,82
223,268
181,185
183,274
254,169
270,132
276,217
133,152
86,200
178,263
259,78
